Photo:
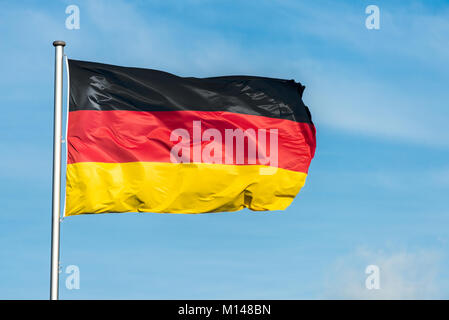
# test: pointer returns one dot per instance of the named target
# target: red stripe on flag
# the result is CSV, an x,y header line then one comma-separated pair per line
x,y
134,136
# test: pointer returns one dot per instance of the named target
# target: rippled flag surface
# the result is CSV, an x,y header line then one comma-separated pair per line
x,y
141,140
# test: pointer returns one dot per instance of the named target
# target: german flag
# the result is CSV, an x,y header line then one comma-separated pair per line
x,y
142,140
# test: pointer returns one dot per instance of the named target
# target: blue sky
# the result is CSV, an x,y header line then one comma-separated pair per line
x,y
377,188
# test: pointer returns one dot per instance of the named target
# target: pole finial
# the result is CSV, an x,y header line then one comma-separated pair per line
x,y
58,43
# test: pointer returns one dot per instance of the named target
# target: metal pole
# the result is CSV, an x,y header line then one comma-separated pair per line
x,y
56,194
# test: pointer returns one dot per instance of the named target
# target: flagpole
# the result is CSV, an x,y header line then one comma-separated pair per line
x,y
56,194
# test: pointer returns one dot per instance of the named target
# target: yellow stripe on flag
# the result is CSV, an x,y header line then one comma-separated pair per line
x,y
94,187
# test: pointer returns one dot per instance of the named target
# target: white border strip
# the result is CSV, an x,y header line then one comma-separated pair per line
x,y
66,129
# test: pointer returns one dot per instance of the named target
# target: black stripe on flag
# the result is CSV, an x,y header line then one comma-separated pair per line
x,y
97,86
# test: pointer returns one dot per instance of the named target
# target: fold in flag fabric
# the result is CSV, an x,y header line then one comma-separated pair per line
x,y
142,140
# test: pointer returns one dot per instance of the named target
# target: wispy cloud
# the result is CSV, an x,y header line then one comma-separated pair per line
x,y
395,180
404,274
343,92
327,48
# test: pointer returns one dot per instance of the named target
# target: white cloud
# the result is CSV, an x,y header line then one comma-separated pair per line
x,y
403,275
341,94
434,179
